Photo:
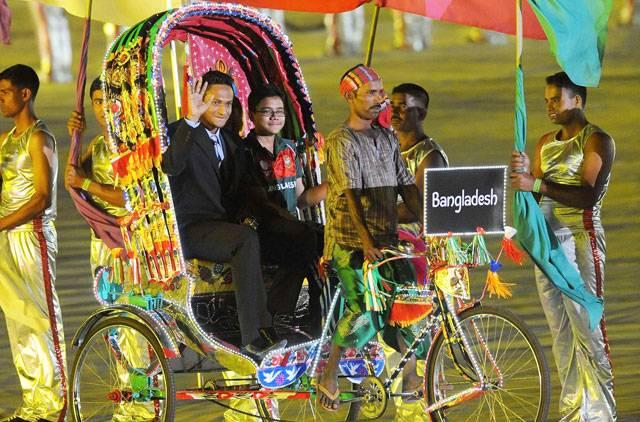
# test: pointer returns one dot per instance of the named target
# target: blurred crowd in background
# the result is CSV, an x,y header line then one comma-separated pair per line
x,y
345,33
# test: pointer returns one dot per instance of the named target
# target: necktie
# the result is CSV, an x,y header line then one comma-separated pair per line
x,y
217,146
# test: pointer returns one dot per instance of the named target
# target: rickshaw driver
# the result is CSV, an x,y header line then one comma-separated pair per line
x,y
208,173
365,174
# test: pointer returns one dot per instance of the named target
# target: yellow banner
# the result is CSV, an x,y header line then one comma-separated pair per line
x,y
121,12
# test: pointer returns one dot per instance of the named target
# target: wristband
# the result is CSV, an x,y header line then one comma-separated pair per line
x,y
536,186
85,184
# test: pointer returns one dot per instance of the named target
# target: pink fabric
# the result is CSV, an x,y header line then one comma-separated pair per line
x,y
213,51
320,6
104,225
496,15
208,55
5,22
419,264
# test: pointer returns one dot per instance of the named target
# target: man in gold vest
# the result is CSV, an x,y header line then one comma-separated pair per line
x,y
28,168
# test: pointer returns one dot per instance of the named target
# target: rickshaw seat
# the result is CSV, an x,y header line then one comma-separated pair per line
x,y
211,277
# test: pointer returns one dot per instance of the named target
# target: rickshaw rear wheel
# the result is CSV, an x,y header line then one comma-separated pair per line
x,y
120,373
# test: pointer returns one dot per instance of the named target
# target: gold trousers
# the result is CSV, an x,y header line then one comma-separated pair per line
x,y
582,355
34,322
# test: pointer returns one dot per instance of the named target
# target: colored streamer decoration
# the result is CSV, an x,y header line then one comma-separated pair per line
x,y
535,235
495,285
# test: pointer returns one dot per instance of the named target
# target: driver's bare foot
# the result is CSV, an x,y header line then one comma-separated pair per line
x,y
328,393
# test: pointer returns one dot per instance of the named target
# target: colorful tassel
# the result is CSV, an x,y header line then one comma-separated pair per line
x,y
404,313
512,251
479,253
495,285
455,254
375,299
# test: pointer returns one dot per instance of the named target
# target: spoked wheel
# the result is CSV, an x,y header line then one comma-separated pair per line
x,y
120,373
512,363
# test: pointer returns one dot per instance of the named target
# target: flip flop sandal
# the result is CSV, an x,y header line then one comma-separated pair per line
x,y
331,396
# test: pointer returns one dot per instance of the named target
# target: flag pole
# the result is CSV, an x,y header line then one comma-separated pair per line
x,y
75,147
520,118
519,34
372,35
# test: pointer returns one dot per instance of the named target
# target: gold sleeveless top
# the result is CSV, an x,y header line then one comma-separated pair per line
x,y
414,155
561,162
102,172
16,169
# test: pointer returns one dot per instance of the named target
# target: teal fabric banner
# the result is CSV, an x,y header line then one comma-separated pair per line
x,y
577,33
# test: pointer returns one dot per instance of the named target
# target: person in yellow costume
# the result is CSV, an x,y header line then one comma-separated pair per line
x,y
409,105
28,240
94,175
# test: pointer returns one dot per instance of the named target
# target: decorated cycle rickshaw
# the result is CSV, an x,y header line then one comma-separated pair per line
x,y
162,315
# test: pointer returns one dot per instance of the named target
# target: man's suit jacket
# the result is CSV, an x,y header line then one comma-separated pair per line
x,y
201,189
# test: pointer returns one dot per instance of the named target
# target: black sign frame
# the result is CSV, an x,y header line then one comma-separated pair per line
x,y
485,182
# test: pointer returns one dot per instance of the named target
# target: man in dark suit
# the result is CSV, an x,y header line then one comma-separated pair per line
x,y
207,170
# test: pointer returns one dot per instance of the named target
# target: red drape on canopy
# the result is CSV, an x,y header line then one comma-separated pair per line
x,y
496,15
320,6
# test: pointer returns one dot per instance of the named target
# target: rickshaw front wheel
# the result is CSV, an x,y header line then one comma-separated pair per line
x,y
120,373
513,368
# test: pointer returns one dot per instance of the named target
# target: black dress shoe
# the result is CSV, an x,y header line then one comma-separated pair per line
x,y
269,335
257,352
261,346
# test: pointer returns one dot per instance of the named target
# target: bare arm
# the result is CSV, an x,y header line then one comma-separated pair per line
x,y
433,160
520,168
598,159
77,122
412,201
356,211
310,196
109,193
74,177
43,157
3,137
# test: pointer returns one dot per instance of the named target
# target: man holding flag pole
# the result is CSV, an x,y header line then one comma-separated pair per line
x,y
569,177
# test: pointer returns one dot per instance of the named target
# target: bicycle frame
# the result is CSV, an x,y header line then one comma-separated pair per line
x,y
445,315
